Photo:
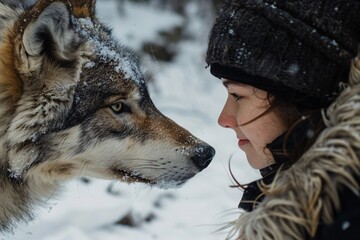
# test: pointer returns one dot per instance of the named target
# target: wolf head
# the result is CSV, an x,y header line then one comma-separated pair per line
x,y
73,102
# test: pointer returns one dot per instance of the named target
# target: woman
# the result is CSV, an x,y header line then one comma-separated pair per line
x,y
285,65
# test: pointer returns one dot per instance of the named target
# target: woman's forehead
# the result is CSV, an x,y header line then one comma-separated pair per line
x,y
226,82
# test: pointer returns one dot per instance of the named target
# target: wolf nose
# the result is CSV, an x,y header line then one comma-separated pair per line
x,y
203,155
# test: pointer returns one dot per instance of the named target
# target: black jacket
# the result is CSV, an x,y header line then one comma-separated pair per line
x,y
346,225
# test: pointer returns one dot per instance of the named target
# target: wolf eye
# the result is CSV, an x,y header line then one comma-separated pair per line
x,y
120,107
117,107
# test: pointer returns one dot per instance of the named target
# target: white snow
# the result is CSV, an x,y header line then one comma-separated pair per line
x,y
186,92
108,51
137,22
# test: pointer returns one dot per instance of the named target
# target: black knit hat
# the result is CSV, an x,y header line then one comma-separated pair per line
x,y
294,49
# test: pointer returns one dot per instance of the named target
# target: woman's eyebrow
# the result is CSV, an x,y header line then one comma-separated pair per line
x,y
226,83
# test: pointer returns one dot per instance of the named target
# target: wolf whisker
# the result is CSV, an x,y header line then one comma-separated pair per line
x,y
82,170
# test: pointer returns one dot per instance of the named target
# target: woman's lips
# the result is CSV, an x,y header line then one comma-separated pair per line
x,y
242,142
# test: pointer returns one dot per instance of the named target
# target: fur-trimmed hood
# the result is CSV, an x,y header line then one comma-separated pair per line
x,y
308,192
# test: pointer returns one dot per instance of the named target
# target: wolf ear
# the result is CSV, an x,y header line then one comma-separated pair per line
x,y
83,8
49,32
49,61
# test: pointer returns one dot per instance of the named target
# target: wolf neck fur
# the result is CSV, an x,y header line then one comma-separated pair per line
x,y
18,199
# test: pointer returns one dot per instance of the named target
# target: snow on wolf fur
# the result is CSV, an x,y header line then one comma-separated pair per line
x,y
74,103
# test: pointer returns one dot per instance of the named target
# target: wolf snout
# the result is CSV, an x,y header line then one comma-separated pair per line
x,y
202,155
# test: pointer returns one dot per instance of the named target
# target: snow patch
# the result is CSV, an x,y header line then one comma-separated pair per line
x,y
108,50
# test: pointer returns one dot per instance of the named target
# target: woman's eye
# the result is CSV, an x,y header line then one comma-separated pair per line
x,y
117,107
237,97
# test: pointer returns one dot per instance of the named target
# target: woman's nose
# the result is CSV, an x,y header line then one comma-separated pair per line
x,y
226,118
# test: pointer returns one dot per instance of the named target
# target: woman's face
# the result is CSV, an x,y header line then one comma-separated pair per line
x,y
245,103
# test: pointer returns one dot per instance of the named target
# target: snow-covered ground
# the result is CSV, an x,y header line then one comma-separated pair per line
x,y
186,92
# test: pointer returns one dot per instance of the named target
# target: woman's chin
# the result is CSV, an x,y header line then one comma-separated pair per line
x,y
258,161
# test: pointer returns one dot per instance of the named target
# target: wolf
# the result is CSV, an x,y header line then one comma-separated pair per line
x,y
73,102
